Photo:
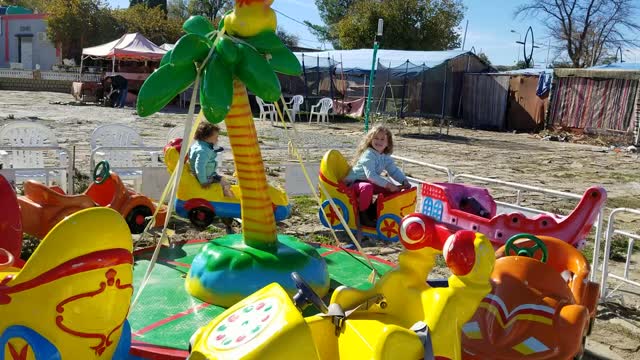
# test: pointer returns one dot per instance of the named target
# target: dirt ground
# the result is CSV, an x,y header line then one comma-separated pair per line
x,y
522,158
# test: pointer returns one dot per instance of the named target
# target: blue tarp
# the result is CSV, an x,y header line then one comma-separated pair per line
x,y
359,61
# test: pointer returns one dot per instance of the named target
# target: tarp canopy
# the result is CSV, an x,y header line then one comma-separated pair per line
x,y
600,73
618,66
354,61
132,46
167,46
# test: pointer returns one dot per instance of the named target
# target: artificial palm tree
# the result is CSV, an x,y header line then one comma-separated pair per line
x,y
244,52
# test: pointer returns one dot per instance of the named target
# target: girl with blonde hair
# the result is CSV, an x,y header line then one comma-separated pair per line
x,y
373,156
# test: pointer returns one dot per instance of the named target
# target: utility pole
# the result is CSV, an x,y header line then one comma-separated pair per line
x,y
464,40
517,47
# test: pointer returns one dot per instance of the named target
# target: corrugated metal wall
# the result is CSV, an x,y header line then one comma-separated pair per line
x,y
484,100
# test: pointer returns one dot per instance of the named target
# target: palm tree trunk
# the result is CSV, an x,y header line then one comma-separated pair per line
x,y
258,222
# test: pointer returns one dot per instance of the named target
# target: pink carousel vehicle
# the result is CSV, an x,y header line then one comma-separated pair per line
x,y
461,206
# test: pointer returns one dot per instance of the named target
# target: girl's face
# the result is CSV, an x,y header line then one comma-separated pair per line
x,y
380,141
212,139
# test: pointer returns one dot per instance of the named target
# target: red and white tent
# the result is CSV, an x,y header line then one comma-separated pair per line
x,y
132,46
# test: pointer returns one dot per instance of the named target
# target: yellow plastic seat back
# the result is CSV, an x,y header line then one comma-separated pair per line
x,y
75,290
334,167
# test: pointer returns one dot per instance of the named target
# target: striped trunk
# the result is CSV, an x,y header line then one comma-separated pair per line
x,y
258,222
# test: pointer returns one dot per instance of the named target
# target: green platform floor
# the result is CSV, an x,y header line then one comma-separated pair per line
x,y
166,315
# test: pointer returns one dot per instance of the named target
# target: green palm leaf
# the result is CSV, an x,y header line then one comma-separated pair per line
x,y
216,93
256,73
198,25
164,85
189,49
285,62
265,42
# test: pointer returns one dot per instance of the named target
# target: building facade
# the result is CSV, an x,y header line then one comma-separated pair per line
x,y
24,42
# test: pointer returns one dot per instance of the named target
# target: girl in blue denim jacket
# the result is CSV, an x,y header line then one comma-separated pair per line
x,y
203,157
373,156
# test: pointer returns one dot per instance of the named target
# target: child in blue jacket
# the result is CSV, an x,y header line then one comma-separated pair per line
x,y
373,156
203,157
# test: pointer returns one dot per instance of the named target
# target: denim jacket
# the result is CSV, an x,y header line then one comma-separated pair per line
x,y
202,157
370,166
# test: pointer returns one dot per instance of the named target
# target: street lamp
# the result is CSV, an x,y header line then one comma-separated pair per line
x,y
619,50
372,76
519,39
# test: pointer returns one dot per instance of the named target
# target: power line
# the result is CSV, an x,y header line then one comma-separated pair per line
x,y
289,17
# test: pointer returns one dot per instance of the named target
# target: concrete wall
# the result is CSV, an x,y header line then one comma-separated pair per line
x,y
35,85
44,51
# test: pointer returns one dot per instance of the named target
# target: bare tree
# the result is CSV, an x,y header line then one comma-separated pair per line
x,y
586,29
213,9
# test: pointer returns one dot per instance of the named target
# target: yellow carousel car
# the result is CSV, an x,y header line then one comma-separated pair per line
x,y
400,317
390,209
200,205
70,299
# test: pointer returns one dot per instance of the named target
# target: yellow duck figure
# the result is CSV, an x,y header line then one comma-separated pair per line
x,y
410,300
251,17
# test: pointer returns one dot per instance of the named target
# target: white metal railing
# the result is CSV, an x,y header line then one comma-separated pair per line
x,y
520,187
70,76
16,74
607,252
439,168
50,75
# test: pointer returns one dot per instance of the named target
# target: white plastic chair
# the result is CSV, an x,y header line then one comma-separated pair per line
x,y
175,132
322,115
266,109
27,134
122,161
294,106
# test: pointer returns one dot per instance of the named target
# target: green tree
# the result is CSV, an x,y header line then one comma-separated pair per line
x,y
161,3
408,24
178,9
331,12
289,39
151,22
484,58
76,24
213,9
35,5
149,3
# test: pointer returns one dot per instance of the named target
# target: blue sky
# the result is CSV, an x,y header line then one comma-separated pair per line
x,y
490,25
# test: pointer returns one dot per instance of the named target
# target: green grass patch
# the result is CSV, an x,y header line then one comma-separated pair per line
x,y
322,239
304,205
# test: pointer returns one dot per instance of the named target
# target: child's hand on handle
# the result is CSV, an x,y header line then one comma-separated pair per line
x,y
405,185
392,187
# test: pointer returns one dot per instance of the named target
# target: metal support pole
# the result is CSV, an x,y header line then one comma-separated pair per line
x,y
384,105
331,68
404,89
444,96
306,87
371,79
318,75
422,90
